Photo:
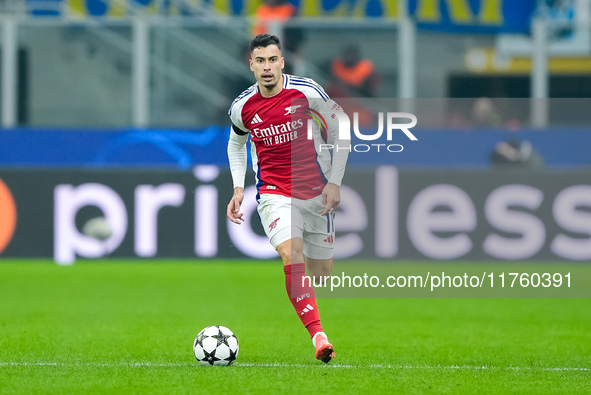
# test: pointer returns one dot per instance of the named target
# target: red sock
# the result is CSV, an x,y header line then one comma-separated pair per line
x,y
303,297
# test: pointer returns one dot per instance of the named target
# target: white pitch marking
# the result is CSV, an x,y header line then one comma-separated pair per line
x,y
136,364
285,365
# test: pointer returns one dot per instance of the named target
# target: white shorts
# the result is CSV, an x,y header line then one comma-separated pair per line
x,y
285,218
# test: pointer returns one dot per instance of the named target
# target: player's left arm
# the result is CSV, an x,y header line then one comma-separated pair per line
x,y
331,194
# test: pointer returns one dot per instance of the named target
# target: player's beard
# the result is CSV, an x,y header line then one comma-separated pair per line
x,y
269,85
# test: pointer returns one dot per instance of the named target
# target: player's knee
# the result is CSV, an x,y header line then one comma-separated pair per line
x,y
286,259
321,271
285,254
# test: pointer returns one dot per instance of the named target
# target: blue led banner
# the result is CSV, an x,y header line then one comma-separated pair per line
x,y
182,150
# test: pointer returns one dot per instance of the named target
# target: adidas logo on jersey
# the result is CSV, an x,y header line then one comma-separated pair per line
x,y
306,309
329,239
256,119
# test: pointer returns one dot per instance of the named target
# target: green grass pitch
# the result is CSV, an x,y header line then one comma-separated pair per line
x,y
128,327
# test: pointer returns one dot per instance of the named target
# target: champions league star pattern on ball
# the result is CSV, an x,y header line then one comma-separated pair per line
x,y
216,345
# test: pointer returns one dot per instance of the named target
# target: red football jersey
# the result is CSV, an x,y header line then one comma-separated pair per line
x,y
285,161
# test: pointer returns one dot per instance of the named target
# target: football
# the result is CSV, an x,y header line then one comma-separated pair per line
x,y
97,228
216,345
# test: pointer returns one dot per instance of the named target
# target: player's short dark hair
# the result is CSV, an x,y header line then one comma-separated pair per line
x,y
263,41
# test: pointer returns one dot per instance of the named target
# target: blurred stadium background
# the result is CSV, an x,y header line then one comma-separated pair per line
x,y
118,108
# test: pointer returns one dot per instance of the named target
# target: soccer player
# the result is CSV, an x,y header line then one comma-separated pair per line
x,y
298,182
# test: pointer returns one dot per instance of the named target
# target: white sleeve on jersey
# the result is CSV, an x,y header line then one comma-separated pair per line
x,y
236,118
340,155
235,111
237,154
237,157
322,103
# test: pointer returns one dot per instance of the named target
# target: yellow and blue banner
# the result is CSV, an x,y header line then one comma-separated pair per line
x,y
454,16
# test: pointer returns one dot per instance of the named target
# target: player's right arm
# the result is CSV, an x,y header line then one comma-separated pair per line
x,y
233,211
237,154
237,157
